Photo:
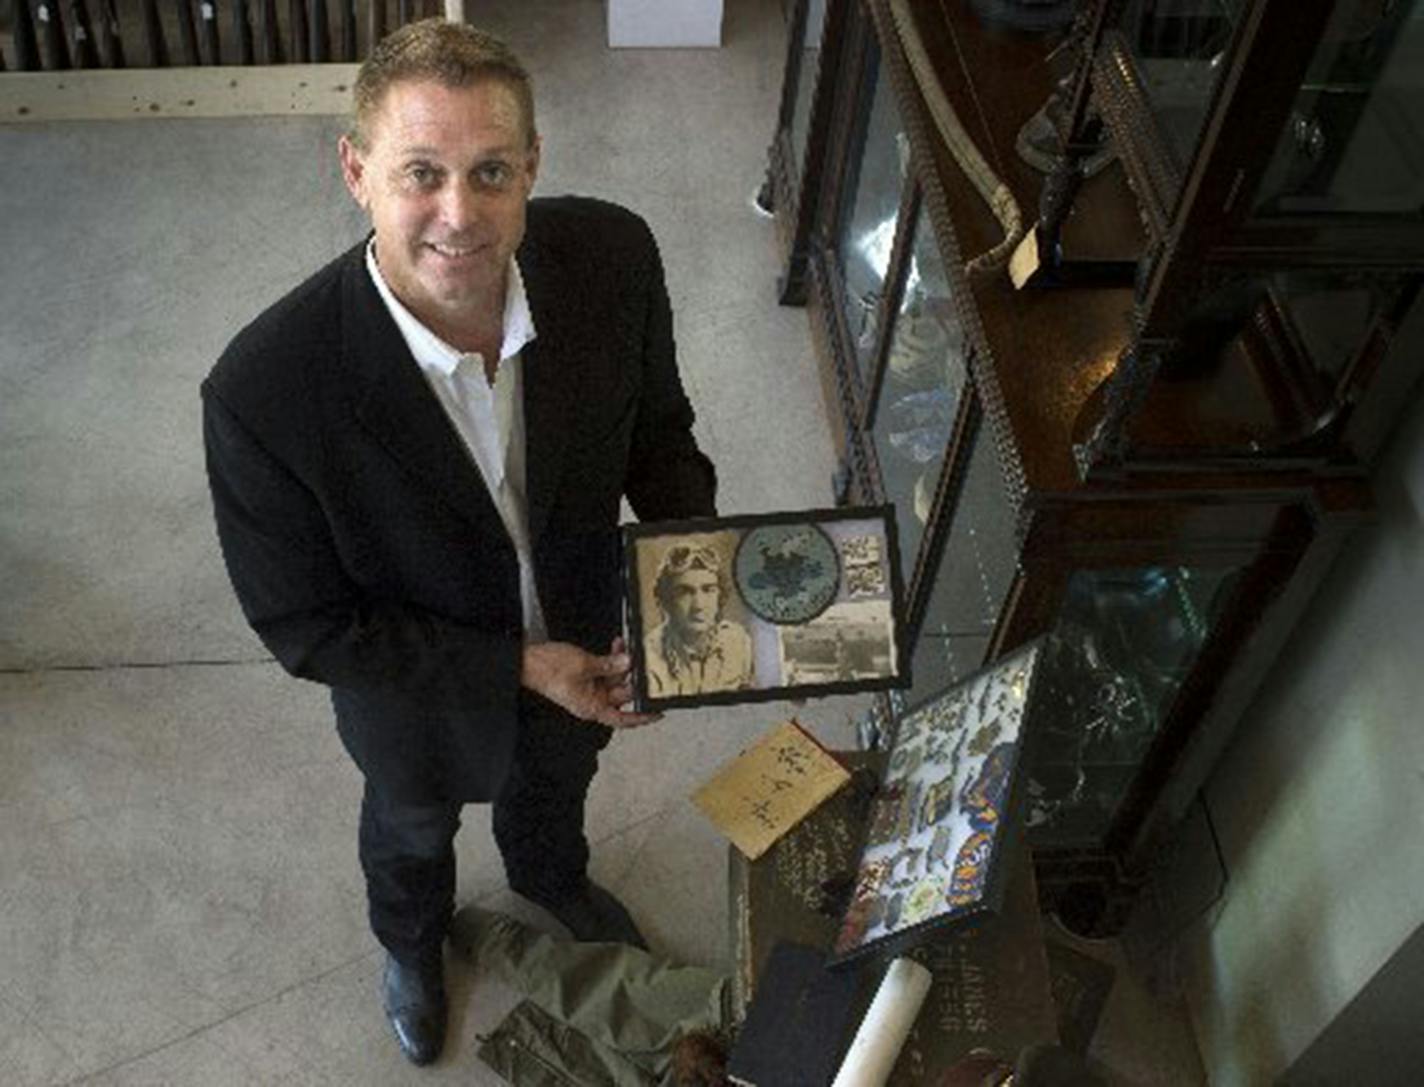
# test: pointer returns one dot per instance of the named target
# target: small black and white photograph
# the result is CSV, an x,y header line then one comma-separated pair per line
x,y
849,642
694,638
861,550
867,580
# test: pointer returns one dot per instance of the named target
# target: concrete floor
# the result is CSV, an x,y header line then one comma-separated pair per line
x,y
179,896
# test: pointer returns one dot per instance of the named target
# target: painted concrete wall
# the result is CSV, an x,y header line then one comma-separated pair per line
x,y
1320,804
636,23
1376,1039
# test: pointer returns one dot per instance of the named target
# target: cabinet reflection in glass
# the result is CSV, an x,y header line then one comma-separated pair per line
x,y
1124,643
923,382
867,231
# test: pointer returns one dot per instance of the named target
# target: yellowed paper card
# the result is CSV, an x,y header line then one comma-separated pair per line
x,y
769,788
1024,263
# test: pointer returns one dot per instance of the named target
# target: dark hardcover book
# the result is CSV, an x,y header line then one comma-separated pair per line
x,y
797,1027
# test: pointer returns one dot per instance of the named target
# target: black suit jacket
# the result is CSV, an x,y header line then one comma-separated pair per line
x,y
359,535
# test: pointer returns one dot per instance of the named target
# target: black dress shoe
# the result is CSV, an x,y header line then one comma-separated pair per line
x,y
414,1000
593,916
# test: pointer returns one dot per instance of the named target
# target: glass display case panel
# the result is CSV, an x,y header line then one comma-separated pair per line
x,y
1125,642
1331,312
975,574
923,382
1354,142
867,228
1180,50
808,67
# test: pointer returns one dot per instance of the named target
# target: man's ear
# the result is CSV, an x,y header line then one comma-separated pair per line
x,y
353,170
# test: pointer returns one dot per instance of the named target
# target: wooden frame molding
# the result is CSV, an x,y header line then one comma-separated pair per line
x,y
102,94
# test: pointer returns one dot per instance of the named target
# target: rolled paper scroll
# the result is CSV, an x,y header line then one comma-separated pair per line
x,y
885,1027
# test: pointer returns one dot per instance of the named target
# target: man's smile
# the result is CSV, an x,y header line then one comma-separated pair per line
x,y
454,252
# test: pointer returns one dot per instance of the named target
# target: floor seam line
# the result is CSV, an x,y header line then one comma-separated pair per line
x,y
88,1076
629,829
122,666
631,826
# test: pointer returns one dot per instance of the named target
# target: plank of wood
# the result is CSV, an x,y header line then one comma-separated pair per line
x,y
230,91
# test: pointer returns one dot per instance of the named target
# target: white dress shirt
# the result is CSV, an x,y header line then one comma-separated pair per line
x,y
489,420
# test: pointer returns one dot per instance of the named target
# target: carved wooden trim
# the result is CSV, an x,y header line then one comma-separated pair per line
x,y
1152,170
824,283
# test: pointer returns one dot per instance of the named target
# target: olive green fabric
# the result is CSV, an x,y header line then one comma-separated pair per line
x,y
597,1015
531,1048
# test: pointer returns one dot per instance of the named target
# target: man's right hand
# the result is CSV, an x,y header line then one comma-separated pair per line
x,y
590,687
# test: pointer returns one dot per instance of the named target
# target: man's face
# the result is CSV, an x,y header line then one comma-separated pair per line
x,y
445,177
693,601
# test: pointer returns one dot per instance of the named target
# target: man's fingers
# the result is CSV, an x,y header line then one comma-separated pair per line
x,y
590,687
619,719
615,664
618,697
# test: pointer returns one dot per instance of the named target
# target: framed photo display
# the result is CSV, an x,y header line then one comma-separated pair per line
x,y
746,609
945,814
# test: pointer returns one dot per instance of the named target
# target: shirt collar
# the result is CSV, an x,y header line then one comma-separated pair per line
x,y
430,350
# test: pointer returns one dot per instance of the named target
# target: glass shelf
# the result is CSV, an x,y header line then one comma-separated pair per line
x,y
924,380
1354,143
1125,642
1180,51
1331,312
975,574
867,232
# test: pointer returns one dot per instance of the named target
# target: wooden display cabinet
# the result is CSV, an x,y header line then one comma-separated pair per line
x,y
961,400
1275,150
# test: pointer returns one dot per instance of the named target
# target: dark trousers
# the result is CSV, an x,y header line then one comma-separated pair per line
x,y
407,850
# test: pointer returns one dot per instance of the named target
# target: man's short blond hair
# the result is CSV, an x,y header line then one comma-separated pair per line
x,y
438,51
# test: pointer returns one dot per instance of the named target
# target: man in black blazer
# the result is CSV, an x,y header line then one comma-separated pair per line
x,y
417,459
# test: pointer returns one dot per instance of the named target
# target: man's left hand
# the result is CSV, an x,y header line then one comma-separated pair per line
x,y
590,687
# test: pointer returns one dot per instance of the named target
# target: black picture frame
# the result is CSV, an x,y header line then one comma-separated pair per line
x,y
954,843
841,630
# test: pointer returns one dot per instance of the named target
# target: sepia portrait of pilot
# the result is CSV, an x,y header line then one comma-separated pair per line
x,y
694,648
